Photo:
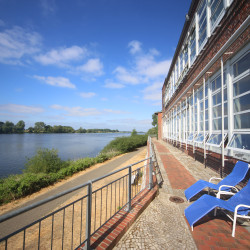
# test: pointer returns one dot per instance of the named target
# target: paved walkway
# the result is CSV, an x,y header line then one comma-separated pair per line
x,y
163,225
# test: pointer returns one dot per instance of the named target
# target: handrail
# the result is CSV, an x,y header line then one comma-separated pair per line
x,y
53,197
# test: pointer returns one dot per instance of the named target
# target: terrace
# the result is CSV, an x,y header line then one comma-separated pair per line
x,y
163,225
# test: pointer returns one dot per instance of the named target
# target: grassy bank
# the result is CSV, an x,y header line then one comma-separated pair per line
x,y
46,168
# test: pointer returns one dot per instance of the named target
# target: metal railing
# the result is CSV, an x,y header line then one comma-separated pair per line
x,y
72,225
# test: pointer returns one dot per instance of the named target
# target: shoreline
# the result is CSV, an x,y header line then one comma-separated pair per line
x,y
15,204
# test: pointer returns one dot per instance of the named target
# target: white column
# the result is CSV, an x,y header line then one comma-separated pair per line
x,y
204,123
222,114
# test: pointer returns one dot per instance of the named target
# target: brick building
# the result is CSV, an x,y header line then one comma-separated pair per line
x,y
206,94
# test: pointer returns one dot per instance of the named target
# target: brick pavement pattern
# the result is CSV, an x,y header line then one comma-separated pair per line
x,y
163,224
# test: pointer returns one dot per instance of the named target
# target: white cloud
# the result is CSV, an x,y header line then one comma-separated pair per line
x,y
114,111
79,111
56,81
16,43
144,68
61,57
112,85
16,108
153,92
87,95
126,76
92,66
135,47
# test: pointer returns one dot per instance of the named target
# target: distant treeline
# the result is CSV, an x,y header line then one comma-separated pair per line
x,y
40,127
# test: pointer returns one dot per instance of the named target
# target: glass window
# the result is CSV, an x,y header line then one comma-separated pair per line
x,y
242,65
215,139
216,8
202,14
191,137
241,93
241,141
242,121
192,46
185,55
241,86
200,138
181,62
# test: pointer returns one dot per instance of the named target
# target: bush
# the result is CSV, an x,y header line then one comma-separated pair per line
x,y
125,144
45,161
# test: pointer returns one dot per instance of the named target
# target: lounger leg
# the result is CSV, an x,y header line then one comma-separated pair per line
x,y
234,224
215,211
192,228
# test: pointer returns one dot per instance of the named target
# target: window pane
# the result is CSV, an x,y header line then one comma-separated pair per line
x,y
242,121
217,111
216,124
217,98
242,86
206,125
215,139
216,84
206,114
216,9
242,103
206,103
241,141
242,65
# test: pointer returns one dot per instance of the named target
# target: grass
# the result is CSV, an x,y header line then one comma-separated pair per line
x,y
46,168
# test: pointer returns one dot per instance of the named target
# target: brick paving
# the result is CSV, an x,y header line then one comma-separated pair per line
x,y
163,224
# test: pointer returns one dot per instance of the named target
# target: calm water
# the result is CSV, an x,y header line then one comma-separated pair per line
x,y
15,148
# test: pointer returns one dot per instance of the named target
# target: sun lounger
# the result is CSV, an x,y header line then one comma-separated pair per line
x,y
239,204
236,176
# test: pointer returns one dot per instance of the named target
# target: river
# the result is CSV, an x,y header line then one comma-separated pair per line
x,y
15,148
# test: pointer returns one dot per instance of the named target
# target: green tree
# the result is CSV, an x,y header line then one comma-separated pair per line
x,y
81,130
134,132
155,120
45,161
19,127
8,127
30,130
39,127
1,127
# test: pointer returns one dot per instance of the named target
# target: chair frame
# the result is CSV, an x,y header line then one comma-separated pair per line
x,y
236,215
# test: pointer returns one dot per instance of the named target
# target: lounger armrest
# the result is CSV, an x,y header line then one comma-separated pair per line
x,y
237,207
214,178
226,192
237,215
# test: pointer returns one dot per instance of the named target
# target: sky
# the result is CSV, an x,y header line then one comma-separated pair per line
x,y
86,63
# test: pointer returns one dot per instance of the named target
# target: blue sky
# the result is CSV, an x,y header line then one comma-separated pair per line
x,y
88,63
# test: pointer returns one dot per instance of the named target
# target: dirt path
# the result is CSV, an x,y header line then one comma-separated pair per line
x,y
80,178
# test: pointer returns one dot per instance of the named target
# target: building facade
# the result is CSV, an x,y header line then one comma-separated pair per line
x,y
206,94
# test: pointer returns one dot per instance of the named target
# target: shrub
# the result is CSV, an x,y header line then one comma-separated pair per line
x,y
45,161
126,144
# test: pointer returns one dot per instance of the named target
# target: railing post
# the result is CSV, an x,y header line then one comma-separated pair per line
x,y
150,173
88,215
150,164
129,187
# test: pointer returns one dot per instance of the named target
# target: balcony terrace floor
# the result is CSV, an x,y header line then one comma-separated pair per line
x,y
163,225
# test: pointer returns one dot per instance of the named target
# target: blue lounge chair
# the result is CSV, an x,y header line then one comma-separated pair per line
x,y
236,176
239,203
